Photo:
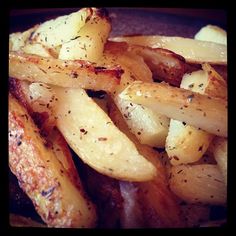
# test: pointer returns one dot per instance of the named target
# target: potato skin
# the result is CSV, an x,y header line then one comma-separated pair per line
x,y
42,177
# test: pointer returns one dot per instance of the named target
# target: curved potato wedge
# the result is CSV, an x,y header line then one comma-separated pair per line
x,y
96,140
29,95
216,86
63,154
194,51
65,73
42,177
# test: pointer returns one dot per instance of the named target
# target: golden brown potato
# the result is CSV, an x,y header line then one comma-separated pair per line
x,y
39,49
55,32
65,73
185,143
42,177
119,53
29,95
149,127
34,97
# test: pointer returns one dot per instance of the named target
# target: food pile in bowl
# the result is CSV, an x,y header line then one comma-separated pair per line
x,y
117,132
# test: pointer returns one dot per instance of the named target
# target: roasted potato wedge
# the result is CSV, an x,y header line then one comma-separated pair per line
x,y
184,143
63,154
115,52
57,31
201,111
201,51
33,97
90,39
198,183
149,127
96,139
42,177
65,73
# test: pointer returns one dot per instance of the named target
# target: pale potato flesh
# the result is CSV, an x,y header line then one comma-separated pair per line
x,y
201,183
212,33
201,111
194,51
185,143
19,39
96,140
89,42
62,29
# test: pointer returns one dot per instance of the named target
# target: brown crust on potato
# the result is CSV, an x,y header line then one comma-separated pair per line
x,y
65,73
165,65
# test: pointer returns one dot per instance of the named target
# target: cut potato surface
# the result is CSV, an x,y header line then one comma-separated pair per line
x,y
96,140
194,51
200,111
